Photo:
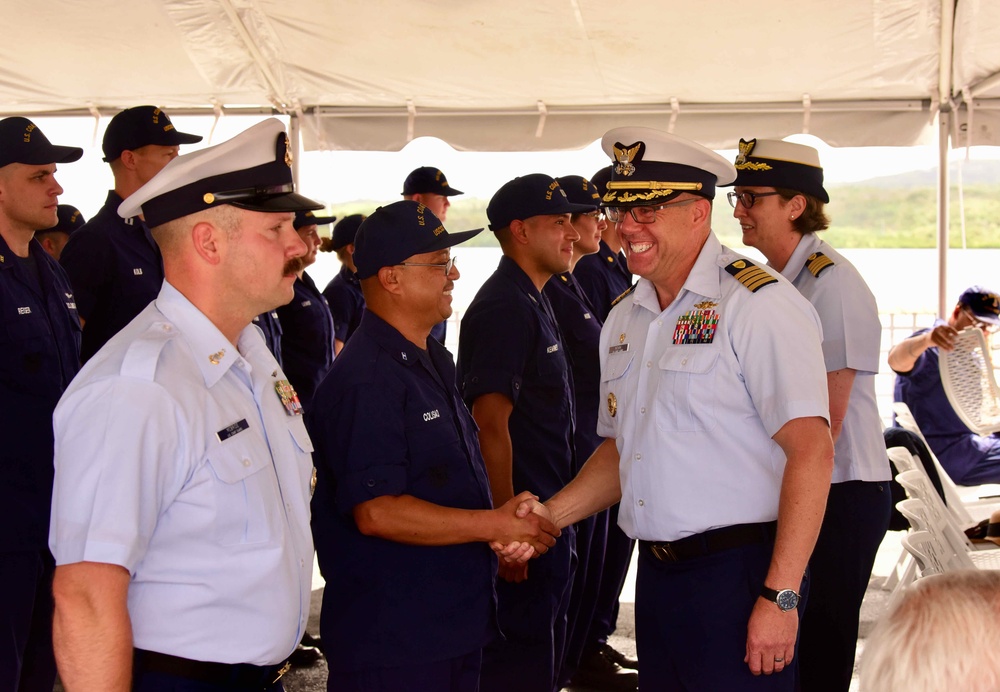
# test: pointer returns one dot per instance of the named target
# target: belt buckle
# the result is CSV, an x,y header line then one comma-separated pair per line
x,y
664,552
281,671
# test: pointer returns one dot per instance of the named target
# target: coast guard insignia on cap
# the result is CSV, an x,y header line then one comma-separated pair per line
x,y
625,155
746,148
750,275
288,151
817,262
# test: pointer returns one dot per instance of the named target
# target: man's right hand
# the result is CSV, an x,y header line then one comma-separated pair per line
x,y
516,529
942,336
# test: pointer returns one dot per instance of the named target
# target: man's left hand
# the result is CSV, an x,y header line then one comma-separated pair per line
x,y
770,638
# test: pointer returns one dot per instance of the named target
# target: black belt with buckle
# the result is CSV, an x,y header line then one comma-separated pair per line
x,y
708,542
238,676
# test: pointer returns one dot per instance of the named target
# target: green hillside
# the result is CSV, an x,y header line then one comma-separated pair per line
x,y
863,216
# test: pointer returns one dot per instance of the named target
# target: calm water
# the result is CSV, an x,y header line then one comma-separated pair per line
x,y
904,283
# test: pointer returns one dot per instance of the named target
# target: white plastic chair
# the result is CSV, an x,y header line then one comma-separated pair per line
x,y
968,381
982,498
925,550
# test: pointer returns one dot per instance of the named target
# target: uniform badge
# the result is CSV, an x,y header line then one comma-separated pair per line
x,y
697,326
746,149
612,404
289,399
625,155
216,358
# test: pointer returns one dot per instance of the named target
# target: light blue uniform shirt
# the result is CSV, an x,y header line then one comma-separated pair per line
x,y
852,333
693,422
176,459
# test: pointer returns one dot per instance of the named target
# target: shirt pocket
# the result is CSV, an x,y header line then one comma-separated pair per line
x,y
614,387
245,491
30,362
686,391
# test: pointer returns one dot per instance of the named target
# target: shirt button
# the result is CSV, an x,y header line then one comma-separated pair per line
x,y
370,482
642,410
246,462
659,323
641,503
649,363
684,362
638,457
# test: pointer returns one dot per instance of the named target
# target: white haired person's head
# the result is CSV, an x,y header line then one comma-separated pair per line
x,y
944,634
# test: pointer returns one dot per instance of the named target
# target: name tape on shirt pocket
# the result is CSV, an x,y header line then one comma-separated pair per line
x,y
552,349
232,430
431,415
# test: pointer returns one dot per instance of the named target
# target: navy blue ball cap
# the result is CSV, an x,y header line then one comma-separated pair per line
x,y
22,142
308,218
579,190
70,219
253,171
536,194
428,179
398,231
777,163
600,179
140,126
984,303
346,230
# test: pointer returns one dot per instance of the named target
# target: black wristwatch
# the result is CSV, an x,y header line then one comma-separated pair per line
x,y
786,599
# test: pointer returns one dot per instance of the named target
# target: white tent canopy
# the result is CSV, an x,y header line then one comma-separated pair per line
x,y
519,74
523,75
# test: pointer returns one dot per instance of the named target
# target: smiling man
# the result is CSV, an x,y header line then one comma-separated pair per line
x,y
113,262
180,518
401,484
514,375
39,355
715,410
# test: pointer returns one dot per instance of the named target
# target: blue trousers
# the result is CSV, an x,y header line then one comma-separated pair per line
x,y
163,682
452,675
26,660
532,619
591,537
617,557
857,516
691,622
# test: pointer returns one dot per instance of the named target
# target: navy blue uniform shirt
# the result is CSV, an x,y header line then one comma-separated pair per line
x,y
346,301
603,276
116,270
510,344
270,324
388,420
39,355
581,332
306,339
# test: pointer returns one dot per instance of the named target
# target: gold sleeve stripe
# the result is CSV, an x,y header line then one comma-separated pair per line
x,y
817,262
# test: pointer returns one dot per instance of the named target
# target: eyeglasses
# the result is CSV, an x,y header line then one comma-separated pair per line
x,y
979,324
643,214
747,199
596,214
447,266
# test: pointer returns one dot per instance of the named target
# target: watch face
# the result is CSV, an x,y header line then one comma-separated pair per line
x,y
787,599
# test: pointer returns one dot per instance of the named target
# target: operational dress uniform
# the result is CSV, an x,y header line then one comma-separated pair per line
x,y
388,420
969,459
347,304
603,277
581,332
270,326
116,270
510,343
306,338
183,457
39,355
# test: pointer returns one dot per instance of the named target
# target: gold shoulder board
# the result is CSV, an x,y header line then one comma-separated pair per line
x,y
622,296
817,262
750,275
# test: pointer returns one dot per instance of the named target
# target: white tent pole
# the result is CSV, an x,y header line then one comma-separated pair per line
x,y
944,131
294,137
945,60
